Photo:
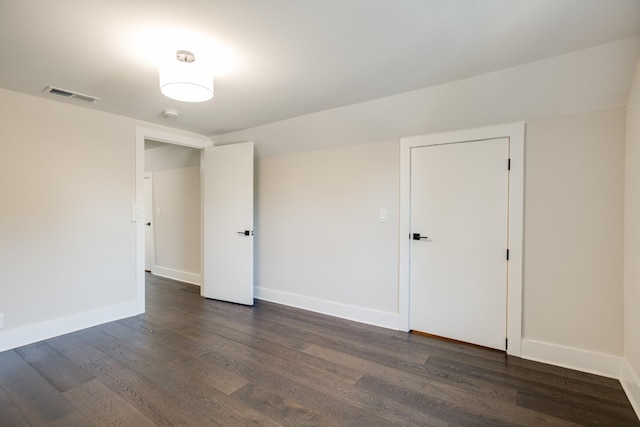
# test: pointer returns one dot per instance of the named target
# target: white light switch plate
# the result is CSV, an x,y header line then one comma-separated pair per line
x,y
135,212
383,216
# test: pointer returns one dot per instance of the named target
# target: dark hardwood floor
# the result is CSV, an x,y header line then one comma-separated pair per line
x,y
195,362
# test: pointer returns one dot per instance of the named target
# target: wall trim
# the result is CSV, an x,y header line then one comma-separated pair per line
x,y
587,361
516,134
343,311
181,276
631,384
17,337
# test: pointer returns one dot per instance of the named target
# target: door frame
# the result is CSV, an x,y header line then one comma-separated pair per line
x,y
149,176
137,207
516,134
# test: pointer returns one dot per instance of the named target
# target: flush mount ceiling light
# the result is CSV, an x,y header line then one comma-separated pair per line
x,y
184,80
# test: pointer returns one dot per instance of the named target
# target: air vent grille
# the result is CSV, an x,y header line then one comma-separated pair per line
x,y
70,94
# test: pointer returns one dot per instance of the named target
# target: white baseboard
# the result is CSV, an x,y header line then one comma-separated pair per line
x,y
591,362
181,276
343,311
631,384
17,337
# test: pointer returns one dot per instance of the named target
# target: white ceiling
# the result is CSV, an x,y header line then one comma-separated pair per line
x,y
292,57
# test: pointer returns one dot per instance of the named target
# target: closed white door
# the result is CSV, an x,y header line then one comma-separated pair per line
x,y
148,222
459,208
228,222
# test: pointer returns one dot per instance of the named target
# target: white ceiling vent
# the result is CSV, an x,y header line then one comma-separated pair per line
x,y
70,94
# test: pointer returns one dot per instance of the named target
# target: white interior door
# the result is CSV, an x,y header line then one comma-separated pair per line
x,y
459,206
148,222
228,222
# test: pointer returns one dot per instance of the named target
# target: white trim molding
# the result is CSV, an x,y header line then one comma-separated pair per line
x,y
181,276
516,133
13,338
343,311
631,384
587,361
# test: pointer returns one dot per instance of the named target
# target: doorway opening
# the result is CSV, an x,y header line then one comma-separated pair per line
x,y
155,139
172,212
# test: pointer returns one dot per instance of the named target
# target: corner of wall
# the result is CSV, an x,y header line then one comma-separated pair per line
x,y
631,384
572,358
181,276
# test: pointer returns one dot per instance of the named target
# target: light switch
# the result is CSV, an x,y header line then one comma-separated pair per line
x,y
135,212
158,212
383,215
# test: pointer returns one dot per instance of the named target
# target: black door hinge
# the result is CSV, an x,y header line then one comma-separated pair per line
x,y
507,254
506,343
509,165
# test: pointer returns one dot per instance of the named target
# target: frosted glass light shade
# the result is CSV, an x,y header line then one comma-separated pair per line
x,y
186,81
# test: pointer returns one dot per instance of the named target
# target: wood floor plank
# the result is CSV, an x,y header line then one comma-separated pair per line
x,y
214,376
101,406
140,341
276,345
277,407
307,386
564,406
74,419
75,349
162,408
168,336
189,388
10,413
530,380
418,381
61,372
36,399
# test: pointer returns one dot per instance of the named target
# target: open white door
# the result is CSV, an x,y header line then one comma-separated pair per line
x,y
228,222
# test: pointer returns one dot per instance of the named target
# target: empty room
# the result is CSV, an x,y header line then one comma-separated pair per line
x,y
337,212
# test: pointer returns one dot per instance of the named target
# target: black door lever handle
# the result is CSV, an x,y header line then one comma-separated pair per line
x,y
417,236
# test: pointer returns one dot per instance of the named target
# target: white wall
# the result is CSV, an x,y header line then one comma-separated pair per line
x,y
66,185
177,208
170,156
574,185
67,242
318,238
632,246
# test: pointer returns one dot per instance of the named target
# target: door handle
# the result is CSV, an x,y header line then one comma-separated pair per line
x,y
245,233
417,236
149,224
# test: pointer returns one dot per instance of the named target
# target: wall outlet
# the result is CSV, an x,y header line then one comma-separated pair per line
x,y
1,320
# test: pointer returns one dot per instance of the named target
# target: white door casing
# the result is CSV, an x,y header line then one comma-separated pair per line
x,y
515,133
458,278
149,248
228,222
